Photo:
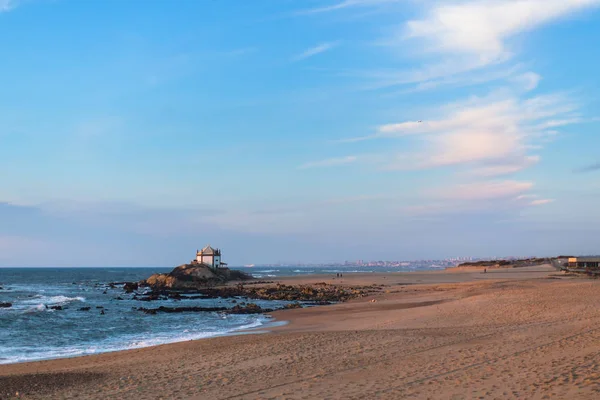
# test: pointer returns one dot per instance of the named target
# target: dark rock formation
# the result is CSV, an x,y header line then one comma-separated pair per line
x,y
180,309
59,308
5,305
85,308
527,262
193,276
251,308
130,287
319,294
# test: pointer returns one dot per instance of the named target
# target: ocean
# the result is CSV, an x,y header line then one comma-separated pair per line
x,y
32,330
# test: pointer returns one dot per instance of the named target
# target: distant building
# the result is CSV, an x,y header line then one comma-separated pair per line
x,y
209,256
584,262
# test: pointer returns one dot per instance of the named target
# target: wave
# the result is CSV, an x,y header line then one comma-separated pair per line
x,y
343,271
41,303
53,300
20,354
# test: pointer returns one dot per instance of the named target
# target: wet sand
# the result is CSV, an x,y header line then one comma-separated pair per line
x,y
529,333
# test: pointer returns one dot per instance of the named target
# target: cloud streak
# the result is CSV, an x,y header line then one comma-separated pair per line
x,y
313,51
344,5
8,5
590,168
330,162
493,135
484,190
541,202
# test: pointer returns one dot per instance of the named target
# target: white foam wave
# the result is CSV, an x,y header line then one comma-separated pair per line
x,y
18,355
53,300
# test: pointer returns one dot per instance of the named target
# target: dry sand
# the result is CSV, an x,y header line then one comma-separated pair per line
x,y
527,333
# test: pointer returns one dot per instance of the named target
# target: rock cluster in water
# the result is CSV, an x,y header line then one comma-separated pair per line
x,y
190,276
321,293
249,308
199,281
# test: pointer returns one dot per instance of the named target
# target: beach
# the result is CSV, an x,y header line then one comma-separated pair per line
x,y
509,333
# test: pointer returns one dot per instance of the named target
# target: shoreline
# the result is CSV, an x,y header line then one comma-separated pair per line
x,y
360,342
275,321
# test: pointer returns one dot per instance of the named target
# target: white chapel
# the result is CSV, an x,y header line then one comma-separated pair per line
x,y
209,256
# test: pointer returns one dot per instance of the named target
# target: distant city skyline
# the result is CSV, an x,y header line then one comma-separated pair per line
x,y
132,134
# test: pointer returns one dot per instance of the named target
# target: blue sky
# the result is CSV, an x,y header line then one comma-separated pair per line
x,y
297,130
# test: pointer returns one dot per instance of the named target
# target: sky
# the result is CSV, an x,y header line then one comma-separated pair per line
x,y
297,130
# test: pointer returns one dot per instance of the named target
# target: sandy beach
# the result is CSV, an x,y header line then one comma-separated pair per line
x,y
530,333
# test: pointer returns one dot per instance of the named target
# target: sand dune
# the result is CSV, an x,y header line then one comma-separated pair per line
x,y
528,333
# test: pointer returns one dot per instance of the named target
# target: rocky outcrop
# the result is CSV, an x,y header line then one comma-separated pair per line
x,y
250,308
527,262
193,276
5,305
130,287
321,294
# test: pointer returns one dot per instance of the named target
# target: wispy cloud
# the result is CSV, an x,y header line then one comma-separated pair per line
x,y
458,38
313,51
541,202
8,5
482,28
497,196
507,168
330,162
589,168
528,80
493,134
344,5
484,190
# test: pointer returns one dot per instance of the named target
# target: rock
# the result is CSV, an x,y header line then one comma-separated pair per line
x,y
130,287
180,309
151,297
85,308
5,305
59,308
292,306
192,276
251,308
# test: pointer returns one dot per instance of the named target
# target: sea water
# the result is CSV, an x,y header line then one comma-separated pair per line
x,y
32,330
